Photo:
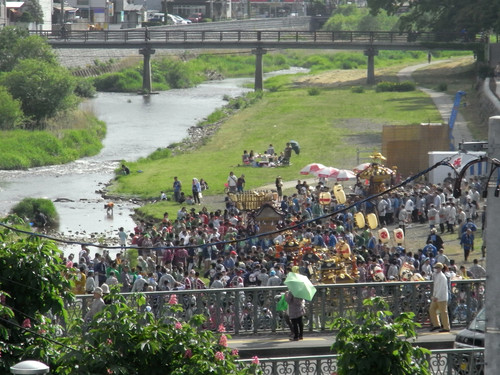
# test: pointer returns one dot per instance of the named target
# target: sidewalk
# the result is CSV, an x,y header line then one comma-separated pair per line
x,y
278,344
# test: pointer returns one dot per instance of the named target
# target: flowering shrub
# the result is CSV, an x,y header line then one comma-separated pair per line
x,y
138,342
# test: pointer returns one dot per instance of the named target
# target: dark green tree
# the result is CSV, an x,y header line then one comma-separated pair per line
x,y
350,17
378,343
16,44
443,15
32,12
43,88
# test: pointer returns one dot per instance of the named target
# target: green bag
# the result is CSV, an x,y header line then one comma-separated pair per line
x,y
282,305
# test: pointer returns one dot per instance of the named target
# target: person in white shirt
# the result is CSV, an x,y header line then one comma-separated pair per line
x,y
439,301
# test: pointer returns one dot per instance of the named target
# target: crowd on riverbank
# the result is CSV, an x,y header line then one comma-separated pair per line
x,y
196,249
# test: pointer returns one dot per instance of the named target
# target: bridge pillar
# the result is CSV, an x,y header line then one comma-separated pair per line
x,y
370,74
258,52
147,86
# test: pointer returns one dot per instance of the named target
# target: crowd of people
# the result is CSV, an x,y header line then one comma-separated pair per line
x,y
198,249
268,158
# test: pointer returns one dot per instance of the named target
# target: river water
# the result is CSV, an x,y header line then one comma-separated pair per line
x,y
136,126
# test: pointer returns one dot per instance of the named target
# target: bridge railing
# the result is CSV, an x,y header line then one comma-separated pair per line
x,y
441,362
162,35
253,309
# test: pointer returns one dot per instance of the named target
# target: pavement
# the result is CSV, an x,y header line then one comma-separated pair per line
x,y
314,343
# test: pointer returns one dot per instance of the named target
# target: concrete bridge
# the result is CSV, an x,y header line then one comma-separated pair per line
x,y
259,41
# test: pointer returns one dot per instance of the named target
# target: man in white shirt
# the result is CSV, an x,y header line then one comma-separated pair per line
x,y
439,301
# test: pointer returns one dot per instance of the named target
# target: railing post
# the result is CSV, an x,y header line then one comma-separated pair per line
x,y
259,36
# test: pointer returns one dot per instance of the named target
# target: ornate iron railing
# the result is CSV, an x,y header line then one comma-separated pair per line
x,y
441,362
253,309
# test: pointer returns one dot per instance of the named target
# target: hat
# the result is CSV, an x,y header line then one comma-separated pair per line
x,y
91,271
438,265
104,288
233,253
272,273
98,290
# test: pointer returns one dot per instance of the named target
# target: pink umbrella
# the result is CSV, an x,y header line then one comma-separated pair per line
x,y
344,175
361,167
310,168
327,172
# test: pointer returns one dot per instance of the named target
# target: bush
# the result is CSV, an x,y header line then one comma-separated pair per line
x,y
357,89
28,208
395,86
313,91
85,88
443,87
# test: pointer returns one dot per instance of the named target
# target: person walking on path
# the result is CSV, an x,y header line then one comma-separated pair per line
x,y
232,182
196,190
467,243
240,183
296,311
439,301
279,187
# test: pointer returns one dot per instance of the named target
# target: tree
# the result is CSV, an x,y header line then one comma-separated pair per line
x,y
42,88
11,114
442,15
32,12
16,44
350,17
372,344
32,285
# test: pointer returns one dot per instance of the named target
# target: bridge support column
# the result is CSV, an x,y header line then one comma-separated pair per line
x,y
370,74
258,52
147,86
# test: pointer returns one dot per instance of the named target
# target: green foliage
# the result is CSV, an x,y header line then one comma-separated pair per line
x,y
34,283
443,86
11,114
395,86
16,45
22,149
357,89
313,91
351,17
122,340
43,88
32,12
128,80
379,344
85,88
28,207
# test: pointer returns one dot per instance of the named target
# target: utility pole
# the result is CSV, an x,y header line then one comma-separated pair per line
x,y
492,337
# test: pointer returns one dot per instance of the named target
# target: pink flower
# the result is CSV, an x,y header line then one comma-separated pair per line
x,y
188,353
235,352
178,325
26,323
219,356
173,300
223,340
255,360
110,371
109,341
221,328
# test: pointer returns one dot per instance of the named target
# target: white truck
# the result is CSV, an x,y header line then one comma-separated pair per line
x,y
458,160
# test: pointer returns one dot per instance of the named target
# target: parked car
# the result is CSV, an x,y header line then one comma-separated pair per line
x,y
470,338
196,17
180,20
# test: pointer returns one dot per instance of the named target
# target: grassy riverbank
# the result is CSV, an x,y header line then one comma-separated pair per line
x,y
329,126
68,137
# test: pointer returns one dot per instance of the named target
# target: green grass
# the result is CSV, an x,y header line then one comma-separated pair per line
x,y
322,124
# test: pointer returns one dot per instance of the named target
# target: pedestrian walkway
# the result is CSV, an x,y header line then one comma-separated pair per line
x,y
279,345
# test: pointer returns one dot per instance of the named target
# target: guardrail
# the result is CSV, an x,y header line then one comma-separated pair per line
x,y
253,309
274,37
441,362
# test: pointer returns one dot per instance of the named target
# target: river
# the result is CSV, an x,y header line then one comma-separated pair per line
x,y
136,126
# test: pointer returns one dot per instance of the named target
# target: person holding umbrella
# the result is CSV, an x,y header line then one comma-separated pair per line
x,y
296,309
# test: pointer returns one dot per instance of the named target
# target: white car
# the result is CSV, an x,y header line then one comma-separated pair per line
x,y
178,20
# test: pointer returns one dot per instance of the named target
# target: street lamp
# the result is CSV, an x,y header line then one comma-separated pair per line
x,y
29,367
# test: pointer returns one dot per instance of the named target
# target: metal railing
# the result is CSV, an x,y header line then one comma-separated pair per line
x,y
441,362
253,309
245,37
